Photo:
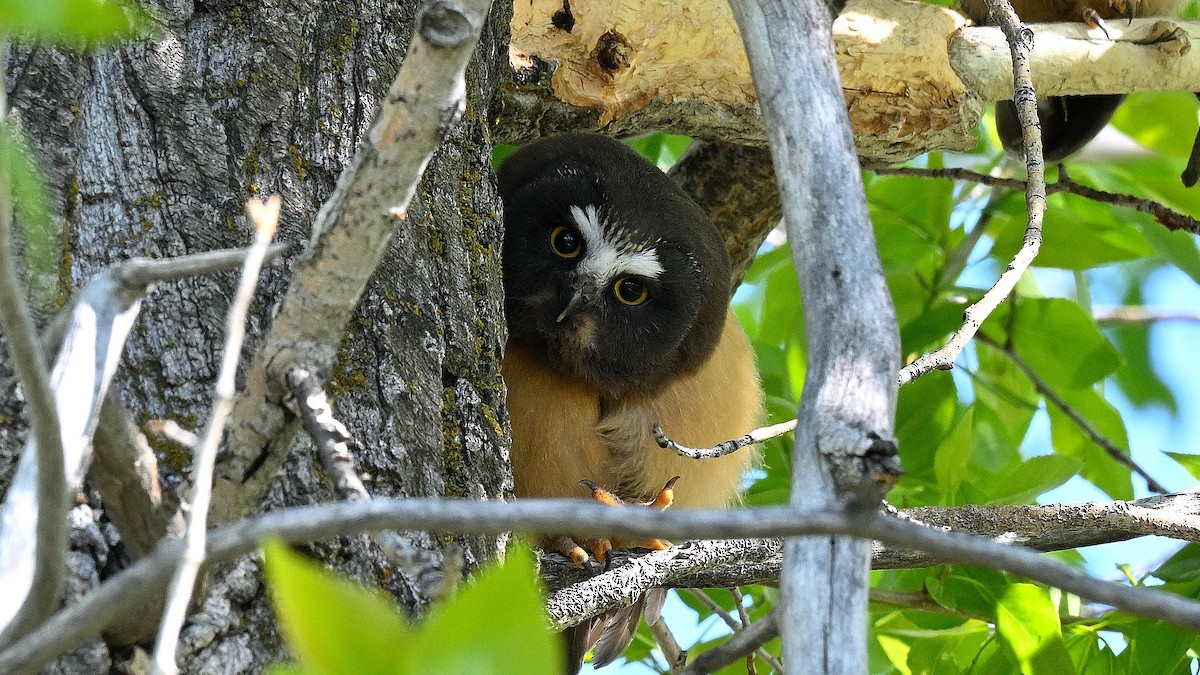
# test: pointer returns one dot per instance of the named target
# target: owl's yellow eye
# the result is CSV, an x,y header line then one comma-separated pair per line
x,y
565,243
630,291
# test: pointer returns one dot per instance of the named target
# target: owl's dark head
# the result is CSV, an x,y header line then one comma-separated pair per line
x,y
611,272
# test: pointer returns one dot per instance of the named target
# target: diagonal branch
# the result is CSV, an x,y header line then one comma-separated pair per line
x,y
265,216
1084,425
736,625
350,237
742,643
1020,41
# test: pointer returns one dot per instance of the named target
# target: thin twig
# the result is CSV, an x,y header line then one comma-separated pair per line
x,y
745,642
143,272
734,624
265,216
672,653
761,435
919,600
1139,314
332,439
44,586
717,610
1021,42
1167,217
172,431
74,624
1084,425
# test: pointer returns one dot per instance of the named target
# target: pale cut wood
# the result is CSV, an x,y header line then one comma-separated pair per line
x,y
1067,58
679,66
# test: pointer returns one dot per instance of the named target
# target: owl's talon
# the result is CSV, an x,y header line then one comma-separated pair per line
x,y
1093,20
665,496
601,495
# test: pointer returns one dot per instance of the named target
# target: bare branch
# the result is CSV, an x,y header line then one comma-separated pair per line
x,y
1169,218
920,600
742,643
265,216
331,438
1137,314
761,435
735,625
36,552
1085,426
1021,42
172,431
125,471
703,88
674,656
843,450
142,272
1084,522
735,185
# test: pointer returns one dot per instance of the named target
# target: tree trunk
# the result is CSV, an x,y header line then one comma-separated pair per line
x,y
151,149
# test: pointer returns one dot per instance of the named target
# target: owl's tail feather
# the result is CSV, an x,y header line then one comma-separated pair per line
x,y
612,632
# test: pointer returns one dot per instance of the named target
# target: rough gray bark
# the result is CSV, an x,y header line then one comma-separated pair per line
x,y
152,148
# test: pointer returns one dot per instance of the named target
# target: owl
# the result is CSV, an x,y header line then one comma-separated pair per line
x,y
1068,122
617,291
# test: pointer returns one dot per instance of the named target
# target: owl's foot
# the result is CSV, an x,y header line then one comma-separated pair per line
x,y
584,550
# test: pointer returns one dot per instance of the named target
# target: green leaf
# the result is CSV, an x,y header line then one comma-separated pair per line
x,y
322,617
1138,378
1027,624
1034,477
1178,248
1191,463
1183,566
1077,234
931,327
920,203
660,148
1099,468
495,626
1062,343
952,463
1163,121
71,22
1092,656
1005,402
926,413
1155,648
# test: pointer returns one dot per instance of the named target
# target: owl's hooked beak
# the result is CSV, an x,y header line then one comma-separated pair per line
x,y
572,306
583,293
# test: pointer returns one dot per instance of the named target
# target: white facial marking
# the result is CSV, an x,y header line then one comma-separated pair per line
x,y
612,256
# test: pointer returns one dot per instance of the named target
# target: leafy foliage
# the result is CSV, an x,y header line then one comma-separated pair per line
x,y
1021,415
495,625
76,23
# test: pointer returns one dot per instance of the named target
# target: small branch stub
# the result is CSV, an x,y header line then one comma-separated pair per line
x,y
444,25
